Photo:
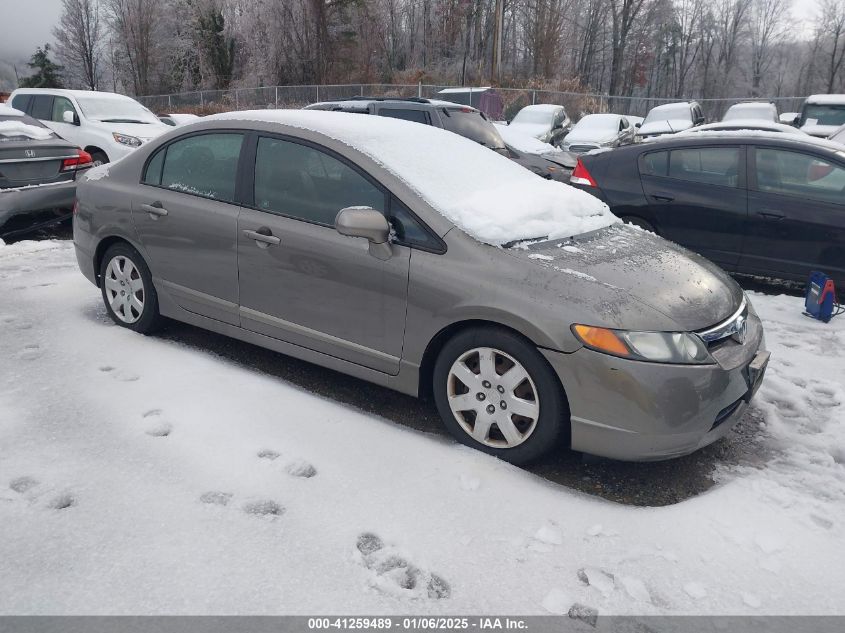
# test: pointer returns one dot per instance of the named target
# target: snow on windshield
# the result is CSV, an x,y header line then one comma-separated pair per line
x,y
763,111
598,123
122,108
535,114
668,112
488,196
522,142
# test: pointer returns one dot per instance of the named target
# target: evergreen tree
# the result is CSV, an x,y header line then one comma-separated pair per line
x,y
219,50
47,74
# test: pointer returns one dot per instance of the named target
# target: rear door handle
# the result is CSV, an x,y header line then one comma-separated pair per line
x,y
155,210
662,197
263,237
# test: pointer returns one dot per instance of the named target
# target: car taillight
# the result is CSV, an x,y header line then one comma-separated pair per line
x,y
80,161
581,176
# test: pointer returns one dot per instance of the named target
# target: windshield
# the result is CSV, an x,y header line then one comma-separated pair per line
x,y
598,123
668,113
750,111
828,114
472,125
116,110
535,116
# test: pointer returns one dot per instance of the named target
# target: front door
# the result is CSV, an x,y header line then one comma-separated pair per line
x,y
796,211
187,222
697,196
303,282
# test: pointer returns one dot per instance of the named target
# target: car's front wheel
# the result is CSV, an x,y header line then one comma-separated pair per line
x,y
127,288
497,393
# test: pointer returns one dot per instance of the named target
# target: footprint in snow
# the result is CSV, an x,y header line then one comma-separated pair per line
x,y
31,352
215,497
268,454
23,484
301,469
157,426
264,508
392,573
118,374
62,501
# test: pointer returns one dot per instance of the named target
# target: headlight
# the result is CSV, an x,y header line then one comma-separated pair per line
x,y
657,347
125,139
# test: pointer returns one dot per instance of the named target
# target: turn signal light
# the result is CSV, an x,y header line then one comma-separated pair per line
x,y
80,161
601,339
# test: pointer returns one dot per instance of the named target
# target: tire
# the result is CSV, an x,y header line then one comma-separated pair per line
x,y
538,395
99,158
643,224
124,270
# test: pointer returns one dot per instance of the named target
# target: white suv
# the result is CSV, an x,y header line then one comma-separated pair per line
x,y
106,125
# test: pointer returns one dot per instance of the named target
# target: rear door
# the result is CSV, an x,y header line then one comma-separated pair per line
x,y
697,197
796,214
300,280
187,221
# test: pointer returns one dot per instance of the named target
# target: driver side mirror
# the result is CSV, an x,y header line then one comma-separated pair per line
x,y
797,121
368,223
638,124
69,116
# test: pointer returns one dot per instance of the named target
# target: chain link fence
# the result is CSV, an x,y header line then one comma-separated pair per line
x,y
513,99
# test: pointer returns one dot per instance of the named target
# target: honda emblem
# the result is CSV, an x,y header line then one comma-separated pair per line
x,y
29,153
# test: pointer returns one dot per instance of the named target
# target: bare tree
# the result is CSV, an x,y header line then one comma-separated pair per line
x,y
78,39
768,30
830,31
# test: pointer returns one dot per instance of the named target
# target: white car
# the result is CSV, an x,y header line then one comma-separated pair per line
x,y
670,118
788,118
752,110
838,136
544,121
106,125
595,131
822,114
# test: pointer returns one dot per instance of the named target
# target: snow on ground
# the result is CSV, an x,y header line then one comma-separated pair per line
x,y
138,475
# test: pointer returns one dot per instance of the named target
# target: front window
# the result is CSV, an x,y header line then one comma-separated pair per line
x,y
799,174
601,123
60,106
710,165
536,116
828,114
679,112
115,110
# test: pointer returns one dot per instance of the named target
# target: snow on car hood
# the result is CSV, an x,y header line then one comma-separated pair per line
x,y
590,136
521,142
626,261
664,126
822,131
143,131
530,129
20,128
488,196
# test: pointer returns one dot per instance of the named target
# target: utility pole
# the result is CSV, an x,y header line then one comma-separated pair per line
x,y
496,65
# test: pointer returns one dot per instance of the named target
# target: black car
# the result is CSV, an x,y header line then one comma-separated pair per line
x,y
771,206
461,119
37,173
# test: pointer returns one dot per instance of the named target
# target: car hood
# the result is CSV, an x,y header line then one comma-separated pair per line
x,y
666,126
628,278
530,129
590,136
822,131
143,131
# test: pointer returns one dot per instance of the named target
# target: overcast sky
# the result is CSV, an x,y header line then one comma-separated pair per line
x,y
25,24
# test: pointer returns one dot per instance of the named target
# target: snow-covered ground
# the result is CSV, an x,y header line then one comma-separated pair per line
x,y
138,475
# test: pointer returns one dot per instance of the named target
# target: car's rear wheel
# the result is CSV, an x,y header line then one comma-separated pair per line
x,y
643,224
127,288
496,392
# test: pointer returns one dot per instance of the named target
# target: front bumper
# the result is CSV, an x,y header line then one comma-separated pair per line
x,y
638,411
33,200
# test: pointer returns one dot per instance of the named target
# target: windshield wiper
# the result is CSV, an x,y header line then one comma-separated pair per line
x,y
124,121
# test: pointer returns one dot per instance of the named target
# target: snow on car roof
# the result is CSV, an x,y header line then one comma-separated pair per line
x,y
447,91
749,125
488,196
74,93
543,107
826,99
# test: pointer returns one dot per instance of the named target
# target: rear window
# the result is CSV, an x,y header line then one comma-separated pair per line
x,y
417,116
472,125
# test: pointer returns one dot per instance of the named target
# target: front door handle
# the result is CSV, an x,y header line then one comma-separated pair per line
x,y
771,214
662,197
155,210
263,237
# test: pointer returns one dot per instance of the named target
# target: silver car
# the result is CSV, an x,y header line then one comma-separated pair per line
x,y
595,131
531,315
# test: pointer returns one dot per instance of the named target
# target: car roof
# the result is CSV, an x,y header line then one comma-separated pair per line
x,y
362,102
71,93
756,125
674,104
542,107
740,137
832,99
